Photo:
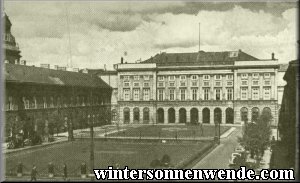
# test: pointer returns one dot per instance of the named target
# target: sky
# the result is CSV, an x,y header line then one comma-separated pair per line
x,y
91,34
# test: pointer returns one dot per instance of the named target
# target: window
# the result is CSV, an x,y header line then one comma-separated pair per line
x,y
182,94
146,84
255,82
126,78
230,76
233,54
267,93
172,84
229,94
255,75
136,78
160,84
194,83
146,114
172,94
194,94
182,83
126,84
267,82
255,93
267,75
244,76
146,94
136,84
218,83
114,115
52,101
160,95
218,77
136,94
218,94
206,77
244,82
206,83
126,94
229,83
182,77
160,78
172,78
146,77
244,93
206,94
194,77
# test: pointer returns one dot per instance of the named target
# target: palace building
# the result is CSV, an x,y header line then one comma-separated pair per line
x,y
224,87
44,101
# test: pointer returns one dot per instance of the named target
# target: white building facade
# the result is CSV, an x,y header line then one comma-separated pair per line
x,y
201,87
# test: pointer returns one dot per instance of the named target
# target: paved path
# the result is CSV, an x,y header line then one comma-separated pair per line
x,y
219,157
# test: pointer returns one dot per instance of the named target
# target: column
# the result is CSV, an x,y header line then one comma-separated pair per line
x,y
235,84
176,115
223,115
141,116
166,116
153,116
131,115
188,115
211,118
200,115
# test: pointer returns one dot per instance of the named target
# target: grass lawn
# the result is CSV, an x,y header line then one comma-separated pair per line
x,y
170,131
107,153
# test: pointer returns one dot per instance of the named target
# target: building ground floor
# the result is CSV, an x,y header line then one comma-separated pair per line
x,y
45,122
210,112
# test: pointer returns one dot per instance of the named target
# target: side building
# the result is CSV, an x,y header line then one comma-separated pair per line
x,y
207,87
41,100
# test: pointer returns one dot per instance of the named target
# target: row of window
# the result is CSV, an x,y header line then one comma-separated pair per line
x,y
195,83
218,95
195,77
35,103
255,93
255,75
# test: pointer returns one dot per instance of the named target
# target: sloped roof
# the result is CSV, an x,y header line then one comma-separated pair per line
x,y
30,74
200,58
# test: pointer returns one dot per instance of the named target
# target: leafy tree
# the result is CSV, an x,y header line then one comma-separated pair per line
x,y
256,137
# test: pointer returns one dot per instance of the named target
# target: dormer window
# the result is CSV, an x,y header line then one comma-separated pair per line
x,y
206,77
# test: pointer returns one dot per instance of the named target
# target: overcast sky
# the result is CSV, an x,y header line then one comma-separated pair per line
x,y
98,33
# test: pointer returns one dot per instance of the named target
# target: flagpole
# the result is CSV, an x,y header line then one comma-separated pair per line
x,y
199,36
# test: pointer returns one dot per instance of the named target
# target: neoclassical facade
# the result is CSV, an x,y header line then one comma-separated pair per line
x,y
201,87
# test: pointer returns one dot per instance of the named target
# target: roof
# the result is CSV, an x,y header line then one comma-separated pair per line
x,y
38,75
200,58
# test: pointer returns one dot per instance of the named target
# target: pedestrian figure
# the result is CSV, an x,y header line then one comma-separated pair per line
x,y
201,129
273,142
65,172
33,173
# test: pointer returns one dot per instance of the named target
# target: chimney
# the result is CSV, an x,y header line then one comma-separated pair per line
x,y
122,60
55,67
104,67
273,56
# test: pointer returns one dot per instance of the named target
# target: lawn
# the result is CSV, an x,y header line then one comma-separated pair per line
x,y
107,153
170,131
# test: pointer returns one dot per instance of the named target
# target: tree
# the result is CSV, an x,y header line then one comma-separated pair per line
x,y
256,137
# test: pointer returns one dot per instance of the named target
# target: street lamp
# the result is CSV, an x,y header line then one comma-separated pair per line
x,y
91,123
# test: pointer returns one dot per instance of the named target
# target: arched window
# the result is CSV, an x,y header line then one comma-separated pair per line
x,y
244,114
255,114
217,115
114,115
126,115
146,114
182,115
194,115
160,115
205,115
171,115
136,114
229,115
